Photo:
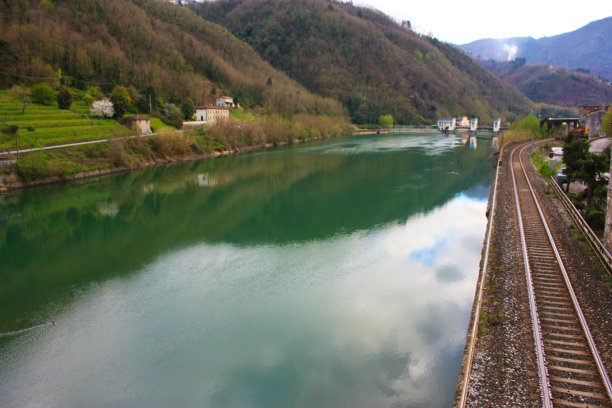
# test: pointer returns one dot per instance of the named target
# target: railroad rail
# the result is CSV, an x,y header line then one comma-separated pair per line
x,y
471,342
592,239
570,369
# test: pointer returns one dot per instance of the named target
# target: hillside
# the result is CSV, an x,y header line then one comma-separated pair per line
x,y
364,59
588,48
552,85
160,51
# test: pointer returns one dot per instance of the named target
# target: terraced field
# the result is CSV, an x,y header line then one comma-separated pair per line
x,y
47,125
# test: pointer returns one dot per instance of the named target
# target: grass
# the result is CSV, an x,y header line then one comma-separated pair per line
x,y
157,125
542,165
241,115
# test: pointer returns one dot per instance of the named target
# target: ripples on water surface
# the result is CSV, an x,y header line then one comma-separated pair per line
x,y
334,274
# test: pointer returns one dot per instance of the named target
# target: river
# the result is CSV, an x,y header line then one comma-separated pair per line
x,y
336,273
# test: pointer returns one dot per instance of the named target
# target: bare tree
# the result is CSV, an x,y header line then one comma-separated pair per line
x,y
21,95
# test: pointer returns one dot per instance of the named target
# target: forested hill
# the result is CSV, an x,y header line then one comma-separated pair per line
x,y
153,48
367,61
552,85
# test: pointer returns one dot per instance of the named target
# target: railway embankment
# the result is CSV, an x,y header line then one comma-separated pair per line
x,y
499,367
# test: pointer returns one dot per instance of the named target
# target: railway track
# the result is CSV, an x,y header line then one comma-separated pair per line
x,y
570,370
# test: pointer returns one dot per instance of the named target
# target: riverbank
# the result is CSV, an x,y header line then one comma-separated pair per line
x,y
120,155
503,370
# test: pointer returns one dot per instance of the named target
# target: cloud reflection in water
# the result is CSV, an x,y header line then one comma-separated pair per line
x,y
374,318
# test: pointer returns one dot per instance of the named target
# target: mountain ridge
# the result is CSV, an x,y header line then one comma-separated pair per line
x,y
590,45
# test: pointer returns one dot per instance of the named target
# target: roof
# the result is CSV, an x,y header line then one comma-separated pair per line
x,y
211,107
138,117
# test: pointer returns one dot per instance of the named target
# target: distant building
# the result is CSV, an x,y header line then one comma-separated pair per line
x,y
142,124
211,114
591,117
463,121
447,124
225,101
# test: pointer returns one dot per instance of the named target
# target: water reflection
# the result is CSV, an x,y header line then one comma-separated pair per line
x,y
337,273
355,320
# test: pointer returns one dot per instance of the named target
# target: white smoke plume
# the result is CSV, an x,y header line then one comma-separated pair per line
x,y
510,50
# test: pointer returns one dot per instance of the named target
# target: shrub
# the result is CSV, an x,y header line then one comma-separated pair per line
x,y
43,94
88,100
10,129
32,167
117,154
545,171
171,143
64,98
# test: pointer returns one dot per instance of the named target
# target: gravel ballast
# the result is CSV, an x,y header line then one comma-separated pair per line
x,y
503,372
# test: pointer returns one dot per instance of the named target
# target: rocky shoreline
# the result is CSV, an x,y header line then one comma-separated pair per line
x,y
503,371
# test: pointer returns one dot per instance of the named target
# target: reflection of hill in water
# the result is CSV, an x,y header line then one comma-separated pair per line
x,y
78,233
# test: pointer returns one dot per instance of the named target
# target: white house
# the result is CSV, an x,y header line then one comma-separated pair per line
x,y
225,101
211,114
447,124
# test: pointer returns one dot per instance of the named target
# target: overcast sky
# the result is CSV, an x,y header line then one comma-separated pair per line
x,y
464,21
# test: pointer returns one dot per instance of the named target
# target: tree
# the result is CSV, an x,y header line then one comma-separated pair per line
x,y
386,121
21,95
188,108
64,98
121,100
43,94
103,108
531,124
585,166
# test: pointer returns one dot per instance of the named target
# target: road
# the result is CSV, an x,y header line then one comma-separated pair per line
x,y
71,144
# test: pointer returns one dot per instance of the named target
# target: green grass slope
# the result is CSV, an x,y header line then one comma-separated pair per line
x,y
42,125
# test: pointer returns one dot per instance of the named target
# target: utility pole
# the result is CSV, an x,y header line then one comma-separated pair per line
x,y
608,230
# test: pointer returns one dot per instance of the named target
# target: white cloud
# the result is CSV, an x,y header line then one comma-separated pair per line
x,y
466,21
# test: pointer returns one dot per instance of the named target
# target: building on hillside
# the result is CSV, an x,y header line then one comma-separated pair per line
x,y
141,124
211,114
462,121
225,101
591,117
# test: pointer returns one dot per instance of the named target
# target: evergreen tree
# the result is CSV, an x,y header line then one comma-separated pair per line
x,y
188,108
64,98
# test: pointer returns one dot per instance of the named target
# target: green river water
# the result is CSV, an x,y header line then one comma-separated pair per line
x,y
338,273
